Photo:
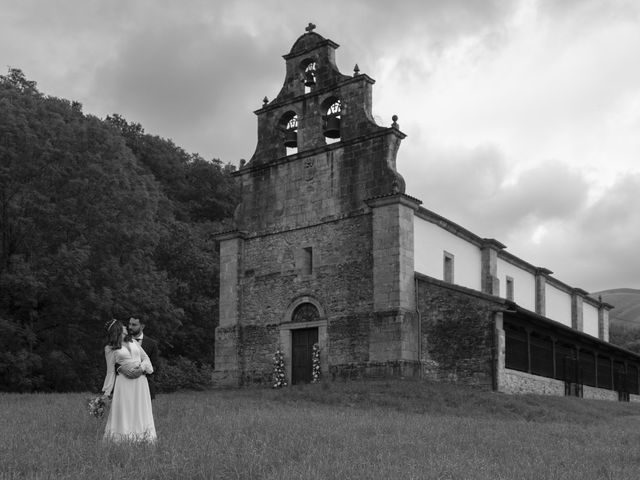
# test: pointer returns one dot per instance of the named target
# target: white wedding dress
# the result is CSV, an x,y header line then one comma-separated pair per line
x,y
130,417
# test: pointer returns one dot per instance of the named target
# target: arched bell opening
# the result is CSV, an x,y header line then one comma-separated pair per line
x,y
289,127
332,120
308,67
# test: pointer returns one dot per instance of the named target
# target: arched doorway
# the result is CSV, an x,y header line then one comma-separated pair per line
x,y
302,342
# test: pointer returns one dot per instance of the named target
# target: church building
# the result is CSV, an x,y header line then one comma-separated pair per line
x,y
329,250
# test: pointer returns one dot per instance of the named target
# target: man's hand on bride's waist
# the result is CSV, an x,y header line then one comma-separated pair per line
x,y
131,370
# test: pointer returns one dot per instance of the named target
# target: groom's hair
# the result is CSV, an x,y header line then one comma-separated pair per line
x,y
138,318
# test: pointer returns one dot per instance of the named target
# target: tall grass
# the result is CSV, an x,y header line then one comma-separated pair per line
x,y
386,430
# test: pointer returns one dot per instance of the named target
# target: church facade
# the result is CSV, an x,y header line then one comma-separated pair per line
x,y
329,250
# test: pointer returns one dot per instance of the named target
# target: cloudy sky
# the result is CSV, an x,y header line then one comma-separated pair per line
x,y
522,116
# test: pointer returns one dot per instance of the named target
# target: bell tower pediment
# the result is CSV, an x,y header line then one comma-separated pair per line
x,y
328,106
323,118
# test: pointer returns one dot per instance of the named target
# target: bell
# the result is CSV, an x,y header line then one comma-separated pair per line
x,y
332,127
309,79
290,138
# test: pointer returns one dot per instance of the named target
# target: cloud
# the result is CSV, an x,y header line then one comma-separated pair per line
x,y
176,81
596,248
544,214
522,117
480,186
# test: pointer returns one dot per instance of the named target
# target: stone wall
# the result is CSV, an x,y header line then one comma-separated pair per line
x,y
515,382
598,393
340,282
258,345
457,332
323,184
340,279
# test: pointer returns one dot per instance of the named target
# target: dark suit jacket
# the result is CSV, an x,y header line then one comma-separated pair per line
x,y
150,346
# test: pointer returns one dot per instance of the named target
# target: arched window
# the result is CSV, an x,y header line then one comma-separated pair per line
x,y
332,119
305,312
309,69
289,125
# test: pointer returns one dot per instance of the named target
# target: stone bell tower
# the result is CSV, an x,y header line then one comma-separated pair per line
x,y
322,252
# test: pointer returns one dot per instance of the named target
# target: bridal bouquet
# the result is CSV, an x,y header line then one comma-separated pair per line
x,y
98,405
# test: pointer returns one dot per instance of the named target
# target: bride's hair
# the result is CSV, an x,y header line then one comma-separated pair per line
x,y
114,334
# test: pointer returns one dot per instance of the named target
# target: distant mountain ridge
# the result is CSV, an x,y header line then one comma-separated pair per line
x,y
626,302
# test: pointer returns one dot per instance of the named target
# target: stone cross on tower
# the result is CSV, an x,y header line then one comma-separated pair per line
x,y
310,27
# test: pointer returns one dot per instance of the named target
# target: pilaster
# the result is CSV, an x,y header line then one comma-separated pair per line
x,y
577,300
393,261
230,252
489,282
500,350
541,285
603,321
227,347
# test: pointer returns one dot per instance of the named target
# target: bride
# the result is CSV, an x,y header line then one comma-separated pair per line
x,y
130,417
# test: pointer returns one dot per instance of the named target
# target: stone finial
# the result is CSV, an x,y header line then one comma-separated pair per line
x,y
310,27
356,70
265,100
395,121
242,162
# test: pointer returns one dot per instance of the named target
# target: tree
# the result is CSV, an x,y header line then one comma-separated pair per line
x,y
99,219
79,226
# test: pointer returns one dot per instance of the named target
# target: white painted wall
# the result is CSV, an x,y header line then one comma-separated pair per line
x,y
558,305
524,284
430,243
589,319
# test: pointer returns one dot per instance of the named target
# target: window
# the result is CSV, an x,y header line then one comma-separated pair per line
x,y
604,372
305,312
510,288
306,261
588,368
332,119
289,127
516,348
632,379
309,77
619,376
541,350
566,364
447,275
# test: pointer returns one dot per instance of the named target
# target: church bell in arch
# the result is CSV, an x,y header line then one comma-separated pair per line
x,y
332,126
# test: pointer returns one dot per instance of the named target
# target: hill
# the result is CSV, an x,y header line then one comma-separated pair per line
x,y
627,305
624,327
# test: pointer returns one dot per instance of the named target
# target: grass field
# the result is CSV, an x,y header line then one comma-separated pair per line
x,y
357,430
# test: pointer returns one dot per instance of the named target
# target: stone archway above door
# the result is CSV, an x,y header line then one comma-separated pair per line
x,y
304,313
301,310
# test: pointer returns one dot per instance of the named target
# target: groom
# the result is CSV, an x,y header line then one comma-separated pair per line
x,y
149,345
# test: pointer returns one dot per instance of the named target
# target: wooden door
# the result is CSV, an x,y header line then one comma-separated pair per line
x,y
302,341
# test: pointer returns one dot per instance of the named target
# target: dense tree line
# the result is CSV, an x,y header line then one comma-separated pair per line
x,y
99,219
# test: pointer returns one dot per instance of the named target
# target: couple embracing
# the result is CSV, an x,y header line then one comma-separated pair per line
x,y
131,358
